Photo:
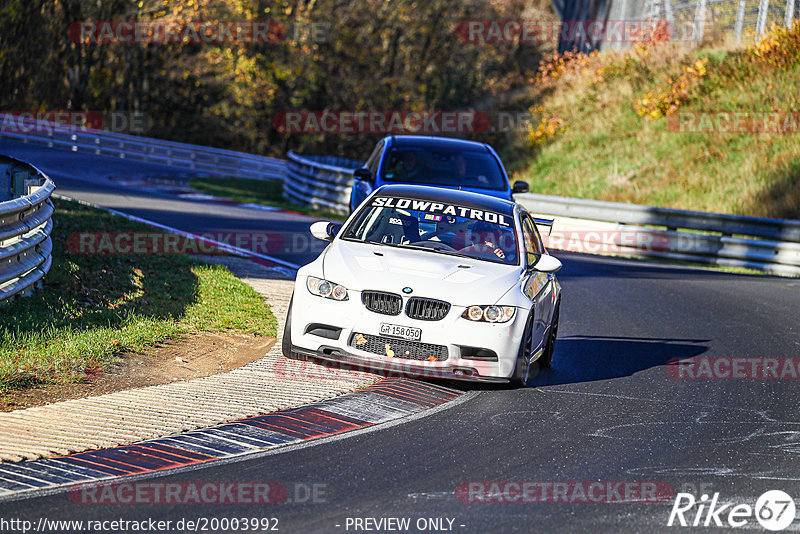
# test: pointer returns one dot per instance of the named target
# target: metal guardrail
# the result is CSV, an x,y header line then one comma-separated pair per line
x,y
101,142
769,245
25,226
321,182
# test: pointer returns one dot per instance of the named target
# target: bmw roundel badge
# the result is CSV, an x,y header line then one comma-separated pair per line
x,y
407,290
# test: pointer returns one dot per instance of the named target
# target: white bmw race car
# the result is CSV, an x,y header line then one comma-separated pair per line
x,y
429,282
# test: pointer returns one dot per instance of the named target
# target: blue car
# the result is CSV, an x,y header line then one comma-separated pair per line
x,y
434,161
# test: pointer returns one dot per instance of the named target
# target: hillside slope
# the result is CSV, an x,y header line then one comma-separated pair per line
x,y
653,126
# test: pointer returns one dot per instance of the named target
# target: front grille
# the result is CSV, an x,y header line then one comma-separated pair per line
x,y
380,302
399,348
427,309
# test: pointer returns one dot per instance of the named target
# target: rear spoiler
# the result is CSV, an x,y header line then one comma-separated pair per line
x,y
544,222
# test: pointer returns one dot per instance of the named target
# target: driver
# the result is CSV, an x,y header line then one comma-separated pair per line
x,y
410,167
464,237
461,166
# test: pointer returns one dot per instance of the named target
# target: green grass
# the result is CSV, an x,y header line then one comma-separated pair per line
x,y
250,191
92,307
608,152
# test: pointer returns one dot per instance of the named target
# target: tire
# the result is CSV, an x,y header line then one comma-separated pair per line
x,y
520,376
286,340
546,360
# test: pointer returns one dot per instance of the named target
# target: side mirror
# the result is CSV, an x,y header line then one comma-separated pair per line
x,y
325,230
546,264
363,173
520,187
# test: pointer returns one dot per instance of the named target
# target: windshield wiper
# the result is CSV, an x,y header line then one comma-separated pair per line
x,y
433,248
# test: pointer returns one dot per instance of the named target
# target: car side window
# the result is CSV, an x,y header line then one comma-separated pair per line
x,y
537,236
532,242
375,159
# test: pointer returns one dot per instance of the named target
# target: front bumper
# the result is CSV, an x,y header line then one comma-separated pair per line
x,y
391,368
458,335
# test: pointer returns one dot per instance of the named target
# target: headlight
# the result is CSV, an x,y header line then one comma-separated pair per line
x,y
489,314
474,313
326,289
492,313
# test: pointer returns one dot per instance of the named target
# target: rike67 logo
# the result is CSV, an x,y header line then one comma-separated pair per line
x,y
774,510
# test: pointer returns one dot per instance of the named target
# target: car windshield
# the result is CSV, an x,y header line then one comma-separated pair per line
x,y
436,227
442,166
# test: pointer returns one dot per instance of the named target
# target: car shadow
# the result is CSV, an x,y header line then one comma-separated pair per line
x,y
590,358
578,359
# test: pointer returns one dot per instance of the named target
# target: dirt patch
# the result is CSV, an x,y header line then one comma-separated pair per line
x,y
198,355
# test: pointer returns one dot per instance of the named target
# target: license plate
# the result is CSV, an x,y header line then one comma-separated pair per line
x,y
405,332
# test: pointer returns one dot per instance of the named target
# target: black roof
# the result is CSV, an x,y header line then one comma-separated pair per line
x,y
448,196
437,142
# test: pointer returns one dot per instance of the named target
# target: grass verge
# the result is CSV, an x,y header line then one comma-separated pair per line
x,y
263,192
618,126
93,307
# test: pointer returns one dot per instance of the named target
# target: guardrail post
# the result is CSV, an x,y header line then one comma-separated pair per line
x,y
761,23
669,14
699,22
18,188
6,185
737,30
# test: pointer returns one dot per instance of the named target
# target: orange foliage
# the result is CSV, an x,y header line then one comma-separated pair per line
x,y
666,101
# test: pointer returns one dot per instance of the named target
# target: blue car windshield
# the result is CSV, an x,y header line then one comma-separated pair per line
x,y
441,166
435,227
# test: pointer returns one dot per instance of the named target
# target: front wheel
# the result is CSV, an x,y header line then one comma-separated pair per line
x,y
520,376
286,340
546,360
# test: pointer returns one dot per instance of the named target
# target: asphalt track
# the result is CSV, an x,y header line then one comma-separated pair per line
x,y
609,410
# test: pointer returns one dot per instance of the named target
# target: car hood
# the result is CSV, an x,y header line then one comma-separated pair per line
x,y
456,279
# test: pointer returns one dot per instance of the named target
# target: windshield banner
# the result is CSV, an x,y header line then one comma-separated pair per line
x,y
444,209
